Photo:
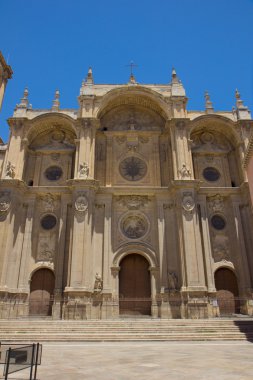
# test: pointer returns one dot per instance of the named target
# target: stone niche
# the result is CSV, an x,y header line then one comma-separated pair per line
x,y
50,158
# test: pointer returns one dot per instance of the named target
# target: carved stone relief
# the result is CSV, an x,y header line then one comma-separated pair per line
x,y
209,142
10,170
216,203
48,202
81,203
184,172
132,119
45,252
5,201
188,203
133,202
220,248
84,170
134,226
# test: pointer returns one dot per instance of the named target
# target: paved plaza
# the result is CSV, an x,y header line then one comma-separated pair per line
x,y
147,360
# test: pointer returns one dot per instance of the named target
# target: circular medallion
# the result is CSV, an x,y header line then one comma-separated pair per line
x,y
188,203
53,173
211,174
218,222
48,222
134,226
81,203
133,168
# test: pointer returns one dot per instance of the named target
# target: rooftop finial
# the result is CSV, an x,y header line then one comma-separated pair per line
x,y
209,104
239,101
241,110
89,78
174,77
24,102
56,102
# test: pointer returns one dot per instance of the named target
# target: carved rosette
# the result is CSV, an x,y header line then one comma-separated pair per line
x,y
5,201
188,203
81,203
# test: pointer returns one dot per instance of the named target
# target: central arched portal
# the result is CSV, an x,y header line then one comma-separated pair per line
x,y
134,286
41,292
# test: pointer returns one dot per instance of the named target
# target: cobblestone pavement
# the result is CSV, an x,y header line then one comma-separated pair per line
x,y
145,360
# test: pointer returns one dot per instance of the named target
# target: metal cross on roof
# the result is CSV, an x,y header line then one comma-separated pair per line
x,y
132,65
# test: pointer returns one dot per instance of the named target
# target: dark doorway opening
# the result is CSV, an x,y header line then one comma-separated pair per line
x,y
227,291
134,286
41,292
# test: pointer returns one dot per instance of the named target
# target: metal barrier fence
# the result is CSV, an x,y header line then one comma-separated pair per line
x,y
99,307
18,357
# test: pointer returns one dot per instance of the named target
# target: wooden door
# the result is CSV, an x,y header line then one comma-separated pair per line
x,y
134,286
41,292
227,291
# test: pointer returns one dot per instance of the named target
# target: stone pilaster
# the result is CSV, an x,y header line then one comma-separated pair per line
x,y
81,260
205,237
191,242
161,244
107,256
85,153
181,152
27,247
15,155
240,252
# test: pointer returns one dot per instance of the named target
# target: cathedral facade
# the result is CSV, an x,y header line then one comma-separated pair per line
x,y
128,205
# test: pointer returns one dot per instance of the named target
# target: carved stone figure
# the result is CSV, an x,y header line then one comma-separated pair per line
x,y
184,172
84,170
172,281
98,286
10,170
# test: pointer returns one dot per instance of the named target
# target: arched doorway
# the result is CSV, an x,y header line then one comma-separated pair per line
x,y
41,292
134,286
227,291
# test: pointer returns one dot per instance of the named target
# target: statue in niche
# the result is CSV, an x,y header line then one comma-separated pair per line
x,y
132,125
84,170
98,286
10,170
172,281
184,172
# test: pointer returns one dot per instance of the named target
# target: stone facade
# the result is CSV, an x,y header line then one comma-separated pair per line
x,y
131,173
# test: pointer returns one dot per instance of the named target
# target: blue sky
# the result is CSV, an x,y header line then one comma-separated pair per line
x,y
51,43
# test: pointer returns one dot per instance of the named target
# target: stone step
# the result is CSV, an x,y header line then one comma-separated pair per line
x,y
125,330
